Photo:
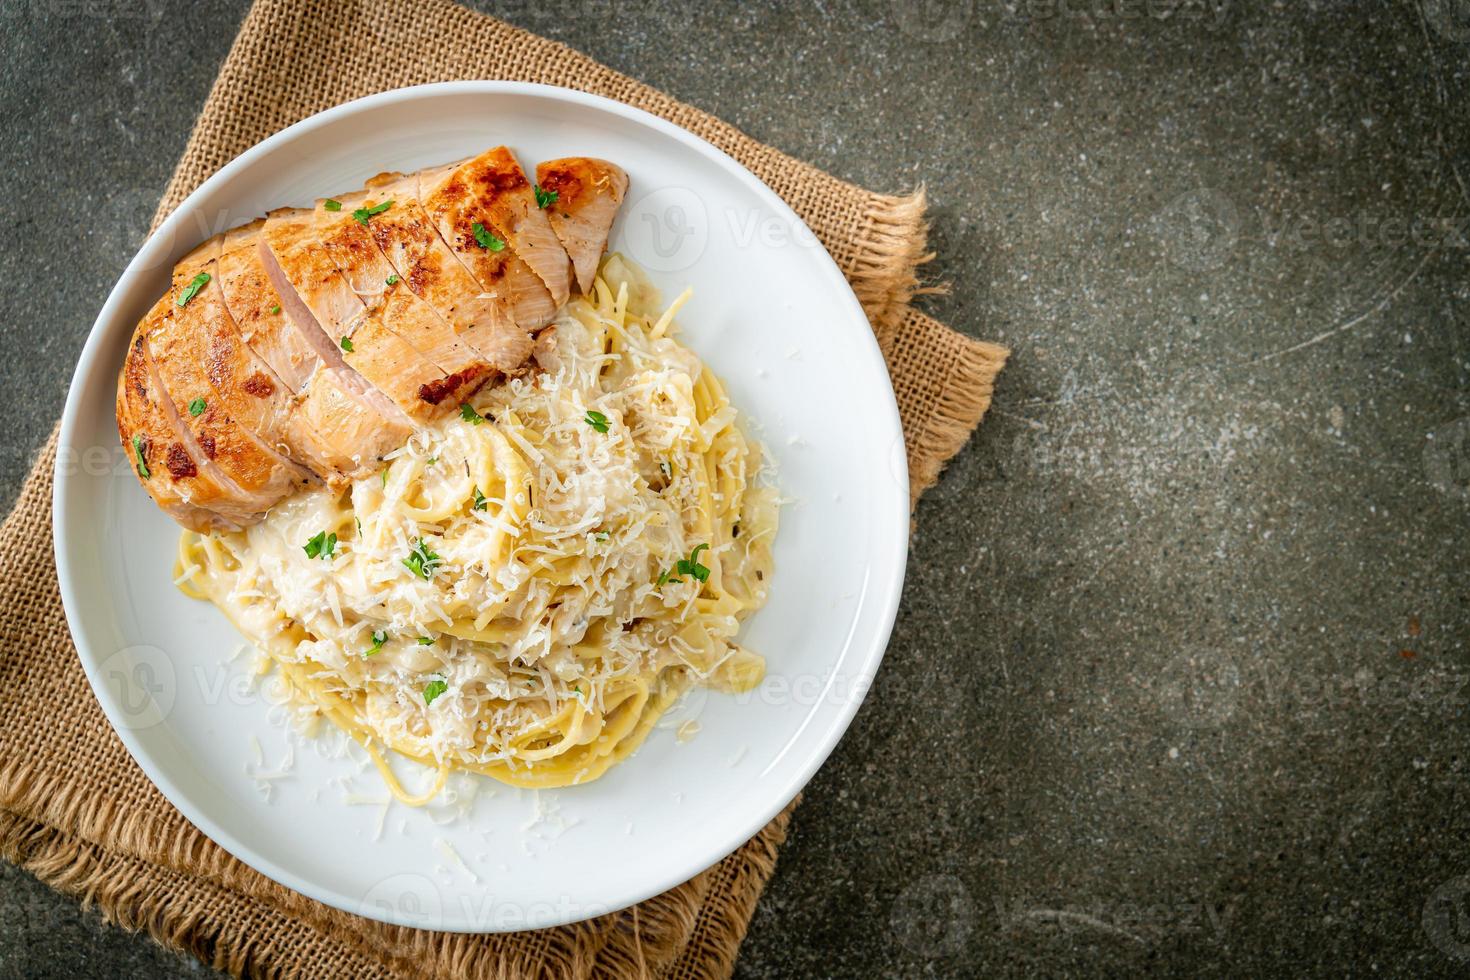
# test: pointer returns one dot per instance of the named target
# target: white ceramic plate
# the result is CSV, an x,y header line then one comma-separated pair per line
x,y
771,314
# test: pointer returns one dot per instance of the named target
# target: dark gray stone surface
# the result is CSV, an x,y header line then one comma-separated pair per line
x,y
1179,683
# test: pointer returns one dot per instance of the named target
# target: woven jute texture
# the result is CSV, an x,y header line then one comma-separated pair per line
x,y
77,812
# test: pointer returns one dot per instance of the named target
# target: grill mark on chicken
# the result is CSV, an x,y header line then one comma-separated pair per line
x,y
258,385
436,391
532,272
500,181
503,193
561,180
178,462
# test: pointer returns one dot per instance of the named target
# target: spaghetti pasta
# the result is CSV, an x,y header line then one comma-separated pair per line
x,y
528,586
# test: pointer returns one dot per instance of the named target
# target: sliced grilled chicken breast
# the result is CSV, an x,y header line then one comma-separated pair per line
x,y
449,198
256,475
313,342
377,367
185,461
255,396
513,210
156,451
384,293
255,306
326,421
409,241
359,422
588,194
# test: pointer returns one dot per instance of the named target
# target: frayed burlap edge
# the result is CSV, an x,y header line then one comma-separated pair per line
x,y
123,890
60,842
885,273
962,403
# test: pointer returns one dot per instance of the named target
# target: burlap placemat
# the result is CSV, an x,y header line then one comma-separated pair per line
x,y
75,810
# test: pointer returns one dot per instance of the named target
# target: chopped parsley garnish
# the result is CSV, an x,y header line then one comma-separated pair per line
x,y
379,638
192,290
363,215
687,566
433,689
422,561
321,545
431,461
468,413
480,502
426,641
392,280
544,197
332,205
346,343
692,565
602,535
597,420
487,238
275,308
138,455
385,478
196,407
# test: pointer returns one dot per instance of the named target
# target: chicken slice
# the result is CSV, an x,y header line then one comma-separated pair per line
x,y
588,193
155,452
256,308
181,458
178,344
323,413
509,206
408,240
547,357
455,208
378,367
254,394
384,293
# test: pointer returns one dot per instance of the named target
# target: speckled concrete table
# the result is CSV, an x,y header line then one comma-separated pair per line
x,y
1180,679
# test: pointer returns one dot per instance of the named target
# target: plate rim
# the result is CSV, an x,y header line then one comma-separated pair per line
x,y
163,240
